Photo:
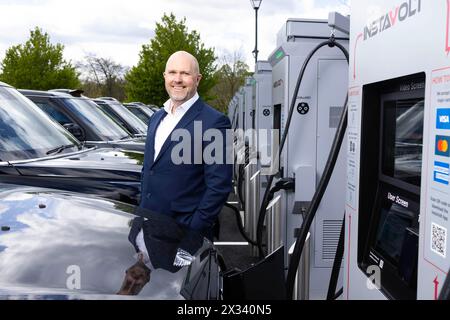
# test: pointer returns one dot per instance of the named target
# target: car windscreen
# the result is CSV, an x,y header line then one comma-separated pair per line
x,y
27,132
147,110
127,116
96,119
140,114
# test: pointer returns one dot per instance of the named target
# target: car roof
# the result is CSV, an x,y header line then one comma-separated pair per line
x,y
98,101
28,92
72,92
3,84
107,99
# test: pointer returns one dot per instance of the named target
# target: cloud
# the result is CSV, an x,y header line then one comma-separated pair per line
x,y
118,29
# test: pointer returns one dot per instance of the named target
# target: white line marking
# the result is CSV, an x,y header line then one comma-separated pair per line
x,y
224,243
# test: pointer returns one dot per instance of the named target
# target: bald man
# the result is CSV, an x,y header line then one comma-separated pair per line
x,y
176,179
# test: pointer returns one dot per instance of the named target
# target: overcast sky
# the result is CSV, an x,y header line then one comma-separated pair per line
x,y
117,29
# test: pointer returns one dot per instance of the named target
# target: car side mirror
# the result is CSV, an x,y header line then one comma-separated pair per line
x,y
75,130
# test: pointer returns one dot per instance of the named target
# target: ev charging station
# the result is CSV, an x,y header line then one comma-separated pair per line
x,y
250,164
259,146
319,105
262,89
236,124
398,155
262,100
241,108
247,106
233,114
233,111
244,148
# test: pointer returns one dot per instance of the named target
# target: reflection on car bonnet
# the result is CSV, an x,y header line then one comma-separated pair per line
x,y
182,257
164,239
136,277
160,242
142,250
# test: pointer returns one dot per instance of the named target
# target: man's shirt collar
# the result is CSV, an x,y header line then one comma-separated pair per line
x,y
182,108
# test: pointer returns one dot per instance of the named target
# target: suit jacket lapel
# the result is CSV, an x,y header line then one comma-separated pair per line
x,y
151,135
188,117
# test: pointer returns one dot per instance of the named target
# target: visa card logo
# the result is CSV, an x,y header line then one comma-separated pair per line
x,y
441,172
443,119
442,146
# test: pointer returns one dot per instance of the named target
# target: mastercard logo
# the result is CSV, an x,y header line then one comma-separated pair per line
x,y
442,145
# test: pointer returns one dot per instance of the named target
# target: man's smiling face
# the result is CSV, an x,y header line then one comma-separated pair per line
x,y
181,78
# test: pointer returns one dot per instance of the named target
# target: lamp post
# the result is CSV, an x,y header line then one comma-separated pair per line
x,y
256,4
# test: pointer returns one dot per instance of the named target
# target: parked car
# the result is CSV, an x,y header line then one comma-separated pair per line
x,y
142,112
84,119
137,103
37,151
122,115
59,245
153,107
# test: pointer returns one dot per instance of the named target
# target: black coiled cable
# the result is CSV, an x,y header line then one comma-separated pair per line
x,y
239,223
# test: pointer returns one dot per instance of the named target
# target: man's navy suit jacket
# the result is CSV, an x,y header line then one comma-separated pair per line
x,y
192,193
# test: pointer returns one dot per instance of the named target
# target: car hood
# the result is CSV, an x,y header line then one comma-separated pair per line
x,y
85,163
61,245
127,145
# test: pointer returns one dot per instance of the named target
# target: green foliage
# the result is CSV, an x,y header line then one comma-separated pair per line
x,y
145,81
38,64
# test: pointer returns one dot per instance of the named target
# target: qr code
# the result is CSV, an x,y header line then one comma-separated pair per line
x,y
438,239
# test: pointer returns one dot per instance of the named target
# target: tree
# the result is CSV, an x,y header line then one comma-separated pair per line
x,y
145,81
38,64
103,77
230,76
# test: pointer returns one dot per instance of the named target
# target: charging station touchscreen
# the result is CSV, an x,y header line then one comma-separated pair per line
x,y
394,220
403,139
397,235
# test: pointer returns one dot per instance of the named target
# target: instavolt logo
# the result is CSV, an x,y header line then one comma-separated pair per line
x,y
398,14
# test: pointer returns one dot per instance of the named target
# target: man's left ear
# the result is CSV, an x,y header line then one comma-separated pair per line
x,y
199,77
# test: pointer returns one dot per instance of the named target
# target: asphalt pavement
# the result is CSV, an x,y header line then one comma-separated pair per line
x,y
235,250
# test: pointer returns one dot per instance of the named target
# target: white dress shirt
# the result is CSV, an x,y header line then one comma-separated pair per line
x,y
169,123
